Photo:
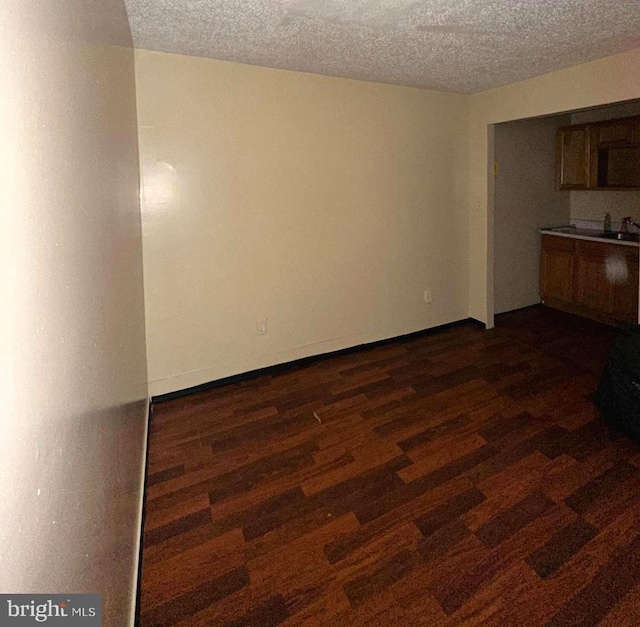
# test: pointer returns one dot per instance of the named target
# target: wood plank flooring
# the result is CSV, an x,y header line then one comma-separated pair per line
x,y
458,478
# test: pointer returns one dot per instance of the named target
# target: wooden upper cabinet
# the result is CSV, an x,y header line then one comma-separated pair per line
x,y
574,157
600,155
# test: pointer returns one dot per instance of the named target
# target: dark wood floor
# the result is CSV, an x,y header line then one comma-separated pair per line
x,y
462,477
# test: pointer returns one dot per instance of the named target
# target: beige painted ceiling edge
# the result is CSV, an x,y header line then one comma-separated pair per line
x,y
464,46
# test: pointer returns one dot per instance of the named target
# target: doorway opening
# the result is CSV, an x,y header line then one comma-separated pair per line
x,y
525,196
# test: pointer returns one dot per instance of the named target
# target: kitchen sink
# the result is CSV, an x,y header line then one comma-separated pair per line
x,y
626,237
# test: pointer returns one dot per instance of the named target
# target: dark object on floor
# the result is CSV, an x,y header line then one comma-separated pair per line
x,y
618,394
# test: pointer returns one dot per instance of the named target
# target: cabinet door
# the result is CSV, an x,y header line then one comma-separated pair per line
x,y
626,293
556,269
619,167
574,157
615,132
595,277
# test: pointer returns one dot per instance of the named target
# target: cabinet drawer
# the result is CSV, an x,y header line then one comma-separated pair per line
x,y
595,249
553,242
604,249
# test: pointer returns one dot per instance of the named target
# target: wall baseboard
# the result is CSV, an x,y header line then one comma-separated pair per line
x,y
304,361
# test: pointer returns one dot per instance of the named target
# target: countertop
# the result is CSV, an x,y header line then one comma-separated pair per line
x,y
587,234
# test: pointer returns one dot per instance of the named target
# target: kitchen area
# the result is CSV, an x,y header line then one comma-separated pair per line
x,y
567,213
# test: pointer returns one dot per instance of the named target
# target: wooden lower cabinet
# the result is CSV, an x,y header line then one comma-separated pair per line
x,y
593,279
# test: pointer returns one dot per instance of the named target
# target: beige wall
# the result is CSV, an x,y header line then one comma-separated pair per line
x,y
72,361
525,199
593,205
608,80
324,205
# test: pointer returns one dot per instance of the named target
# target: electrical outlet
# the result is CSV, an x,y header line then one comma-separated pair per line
x,y
262,327
427,297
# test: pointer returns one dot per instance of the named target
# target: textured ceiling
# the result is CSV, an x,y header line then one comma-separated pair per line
x,y
452,45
